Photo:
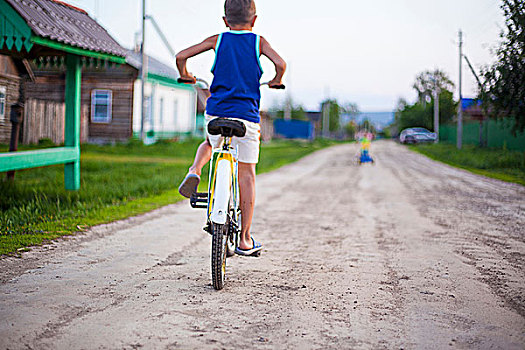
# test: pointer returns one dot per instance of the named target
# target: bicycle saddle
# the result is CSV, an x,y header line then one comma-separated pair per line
x,y
226,127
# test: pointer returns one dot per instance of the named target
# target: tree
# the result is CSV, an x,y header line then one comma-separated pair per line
x,y
503,94
367,126
350,129
297,110
334,114
428,81
421,113
351,109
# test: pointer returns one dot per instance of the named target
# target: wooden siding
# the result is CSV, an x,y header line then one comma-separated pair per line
x,y
121,125
45,119
266,127
50,86
10,79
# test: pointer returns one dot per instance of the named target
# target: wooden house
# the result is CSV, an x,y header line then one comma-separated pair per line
x,y
106,87
316,119
40,35
12,73
267,130
202,97
107,102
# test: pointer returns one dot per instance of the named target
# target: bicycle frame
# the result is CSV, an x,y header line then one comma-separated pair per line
x,y
223,190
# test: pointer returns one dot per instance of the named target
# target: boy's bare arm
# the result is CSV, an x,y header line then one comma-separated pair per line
x,y
280,65
191,51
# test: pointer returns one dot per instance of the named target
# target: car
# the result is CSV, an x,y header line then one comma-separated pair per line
x,y
417,135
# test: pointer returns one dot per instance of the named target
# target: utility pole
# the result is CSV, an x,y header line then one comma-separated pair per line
x,y
481,141
161,35
143,71
460,107
288,108
288,103
436,111
474,73
96,10
326,119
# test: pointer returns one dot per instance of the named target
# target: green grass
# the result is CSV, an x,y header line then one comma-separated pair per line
x,y
116,182
499,164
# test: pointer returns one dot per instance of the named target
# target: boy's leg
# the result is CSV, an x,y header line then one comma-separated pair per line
x,y
191,181
247,194
202,157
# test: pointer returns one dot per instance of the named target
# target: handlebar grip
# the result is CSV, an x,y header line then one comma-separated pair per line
x,y
185,81
280,87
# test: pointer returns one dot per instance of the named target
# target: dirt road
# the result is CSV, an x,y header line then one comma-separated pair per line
x,y
409,253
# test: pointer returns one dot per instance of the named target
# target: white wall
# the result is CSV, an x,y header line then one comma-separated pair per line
x,y
179,109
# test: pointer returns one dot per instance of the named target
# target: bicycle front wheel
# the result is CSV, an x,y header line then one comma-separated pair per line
x,y
219,248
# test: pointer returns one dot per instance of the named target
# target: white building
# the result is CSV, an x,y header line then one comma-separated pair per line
x,y
171,107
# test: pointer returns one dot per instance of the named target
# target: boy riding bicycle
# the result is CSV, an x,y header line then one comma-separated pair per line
x,y
234,94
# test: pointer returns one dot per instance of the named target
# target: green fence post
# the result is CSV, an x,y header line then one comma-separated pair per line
x,y
72,127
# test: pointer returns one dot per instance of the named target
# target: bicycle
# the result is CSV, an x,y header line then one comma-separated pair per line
x,y
224,217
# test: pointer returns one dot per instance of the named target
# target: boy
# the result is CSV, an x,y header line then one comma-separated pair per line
x,y
234,94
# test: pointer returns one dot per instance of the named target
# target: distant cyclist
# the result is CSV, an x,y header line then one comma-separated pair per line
x,y
234,94
365,141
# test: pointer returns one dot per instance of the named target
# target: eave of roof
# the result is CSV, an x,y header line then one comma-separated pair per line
x,y
169,82
77,51
62,23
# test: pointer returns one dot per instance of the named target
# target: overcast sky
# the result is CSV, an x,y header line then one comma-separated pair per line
x,y
367,52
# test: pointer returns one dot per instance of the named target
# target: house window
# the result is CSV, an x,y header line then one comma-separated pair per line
x,y
2,102
101,106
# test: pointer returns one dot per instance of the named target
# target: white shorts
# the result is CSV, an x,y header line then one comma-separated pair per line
x,y
247,146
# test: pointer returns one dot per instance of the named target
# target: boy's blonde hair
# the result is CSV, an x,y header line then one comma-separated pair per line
x,y
239,11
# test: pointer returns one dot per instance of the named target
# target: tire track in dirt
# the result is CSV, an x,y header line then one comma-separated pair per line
x,y
355,257
484,218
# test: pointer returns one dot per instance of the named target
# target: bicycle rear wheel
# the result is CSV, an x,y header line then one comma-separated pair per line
x,y
219,248
234,229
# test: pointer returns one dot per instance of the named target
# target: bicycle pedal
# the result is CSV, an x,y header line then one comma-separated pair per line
x,y
199,200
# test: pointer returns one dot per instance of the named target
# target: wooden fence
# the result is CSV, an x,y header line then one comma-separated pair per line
x,y
46,120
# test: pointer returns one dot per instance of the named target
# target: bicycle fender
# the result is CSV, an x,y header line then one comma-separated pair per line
x,y
221,198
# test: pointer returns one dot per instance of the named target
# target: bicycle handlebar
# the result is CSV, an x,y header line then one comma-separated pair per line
x,y
278,87
186,81
195,80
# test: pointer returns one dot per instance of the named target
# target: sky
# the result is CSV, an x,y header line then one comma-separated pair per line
x,y
365,52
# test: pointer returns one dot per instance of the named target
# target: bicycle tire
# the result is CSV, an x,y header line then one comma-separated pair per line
x,y
230,245
218,255
233,237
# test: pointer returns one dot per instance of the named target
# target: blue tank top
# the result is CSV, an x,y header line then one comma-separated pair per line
x,y
236,75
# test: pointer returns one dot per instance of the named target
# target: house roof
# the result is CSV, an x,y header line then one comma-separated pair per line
x,y
472,107
64,23
155,66
470,103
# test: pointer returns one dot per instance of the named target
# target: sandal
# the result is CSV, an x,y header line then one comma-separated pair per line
x,y
257,247
189,185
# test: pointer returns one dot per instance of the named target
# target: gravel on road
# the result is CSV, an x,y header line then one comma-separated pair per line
x,y
407,253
